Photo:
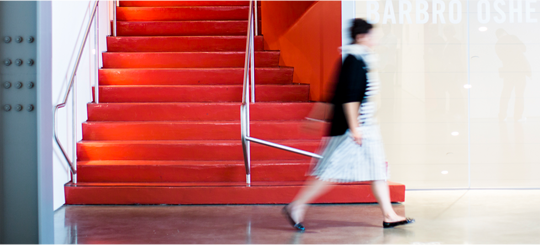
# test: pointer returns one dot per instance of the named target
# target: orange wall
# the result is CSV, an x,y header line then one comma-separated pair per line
x,y
308,34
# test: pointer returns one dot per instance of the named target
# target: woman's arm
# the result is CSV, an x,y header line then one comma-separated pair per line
x,y
354,82
351,113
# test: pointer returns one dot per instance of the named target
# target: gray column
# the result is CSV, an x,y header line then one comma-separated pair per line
x,y
18,123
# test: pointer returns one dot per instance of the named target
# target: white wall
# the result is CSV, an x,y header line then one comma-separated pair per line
x,y
44,117
348,13
69,22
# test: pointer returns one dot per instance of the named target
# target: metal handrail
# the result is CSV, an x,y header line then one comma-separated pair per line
x,y
249,74
244,108
68,90
256,19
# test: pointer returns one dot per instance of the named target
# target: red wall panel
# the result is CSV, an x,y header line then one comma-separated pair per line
x,y
308,34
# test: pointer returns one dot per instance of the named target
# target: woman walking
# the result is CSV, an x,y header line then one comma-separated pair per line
x,y
354,151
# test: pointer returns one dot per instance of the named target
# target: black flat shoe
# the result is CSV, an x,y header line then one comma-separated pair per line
x,y
394,224
297,226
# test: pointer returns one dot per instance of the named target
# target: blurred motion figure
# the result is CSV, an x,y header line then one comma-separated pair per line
x,y
354,151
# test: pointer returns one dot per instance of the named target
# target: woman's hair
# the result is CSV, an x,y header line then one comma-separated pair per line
x,y
359,26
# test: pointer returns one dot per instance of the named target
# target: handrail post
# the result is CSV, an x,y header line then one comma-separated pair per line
x,y
256,22
97,55
114,18
245,143
74,129
252,54
244,108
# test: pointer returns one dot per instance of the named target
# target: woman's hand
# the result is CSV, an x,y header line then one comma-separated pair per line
x,y
356,135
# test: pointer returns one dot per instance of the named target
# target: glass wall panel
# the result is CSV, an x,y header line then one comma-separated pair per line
x,y
505,93
460,95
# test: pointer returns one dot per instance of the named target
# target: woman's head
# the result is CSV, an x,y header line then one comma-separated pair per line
x,y
361,32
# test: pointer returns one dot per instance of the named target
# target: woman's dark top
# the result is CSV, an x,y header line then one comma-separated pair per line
x,y
351,87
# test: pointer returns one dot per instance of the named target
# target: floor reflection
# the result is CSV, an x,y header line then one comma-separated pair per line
x,y
442,217
216,224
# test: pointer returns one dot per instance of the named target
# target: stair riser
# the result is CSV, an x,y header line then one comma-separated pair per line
x,y
181,28
183,13
197,131
180,44
181,3
231,76
191,173
195,111
192,151
187,60
223,195
197,93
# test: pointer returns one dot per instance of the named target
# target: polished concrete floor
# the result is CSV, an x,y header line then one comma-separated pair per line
x,y
475,216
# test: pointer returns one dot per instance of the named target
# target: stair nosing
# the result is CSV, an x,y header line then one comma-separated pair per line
x,y
195,161
195,52
258,184
200,103
206,85
236,141
194,6
194,122
161,21
188,36
202,68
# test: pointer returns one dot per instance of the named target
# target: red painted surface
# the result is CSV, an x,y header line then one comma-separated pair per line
x,y
182,13
309,34
201,93
180,44
219,193
189,171
181,28
192,76
288,12
195,111
190,130
186,59
167,131
181,3
197,150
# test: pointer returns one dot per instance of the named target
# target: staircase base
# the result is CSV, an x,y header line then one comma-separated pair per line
x,y
216,193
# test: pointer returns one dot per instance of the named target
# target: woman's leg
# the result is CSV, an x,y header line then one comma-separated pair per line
x,y
308,193
382,193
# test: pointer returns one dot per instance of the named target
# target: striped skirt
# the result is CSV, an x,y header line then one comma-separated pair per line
x,y
346,161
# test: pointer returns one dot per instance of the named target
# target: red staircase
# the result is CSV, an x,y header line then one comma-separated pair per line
x,y
167,128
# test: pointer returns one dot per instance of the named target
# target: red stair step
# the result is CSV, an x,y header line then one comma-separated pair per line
x,y
171,130
181,44
217,193
181,28
190,171
220,150
192,76
195,111
182,13
201,93
181,3
187,59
